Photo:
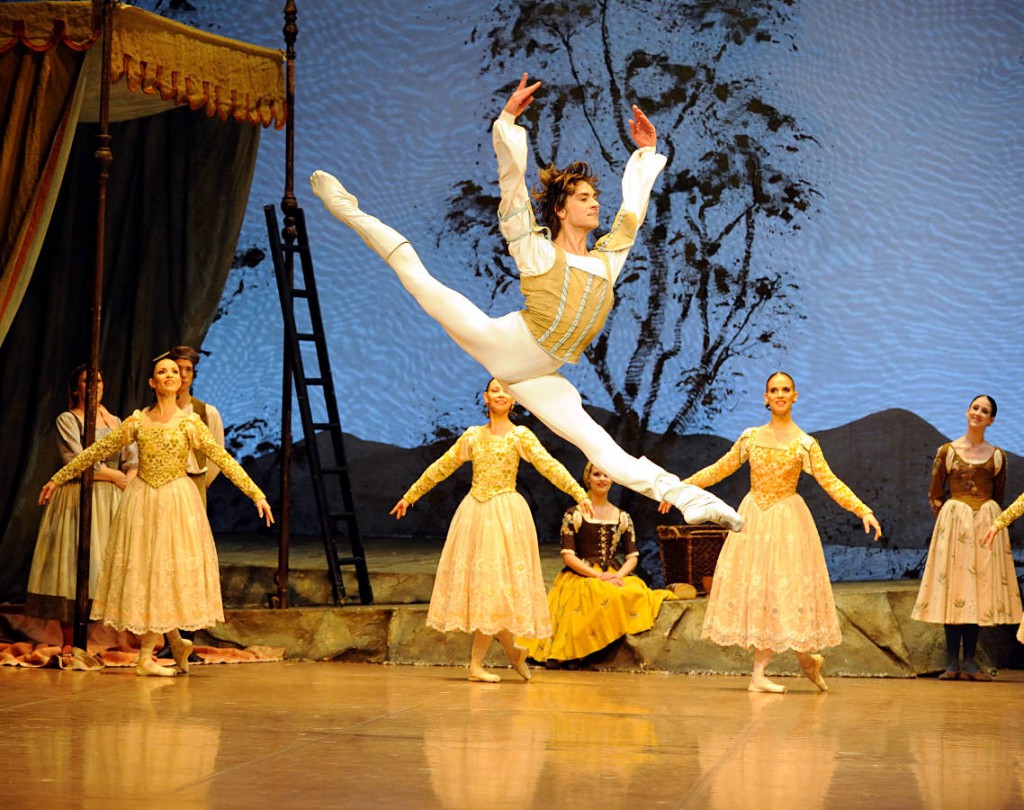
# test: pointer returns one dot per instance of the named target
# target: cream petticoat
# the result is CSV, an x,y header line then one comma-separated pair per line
x,y
161,568
489,576
771,588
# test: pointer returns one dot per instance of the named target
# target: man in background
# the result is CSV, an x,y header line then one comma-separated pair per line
x,y
199,469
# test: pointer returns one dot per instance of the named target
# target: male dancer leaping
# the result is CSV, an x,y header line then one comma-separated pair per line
x,y
567,287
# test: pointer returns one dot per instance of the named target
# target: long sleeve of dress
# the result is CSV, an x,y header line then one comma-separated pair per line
x,y
830,482
937,490
547,465
98,451
453,458
204,440
723,468
1011,513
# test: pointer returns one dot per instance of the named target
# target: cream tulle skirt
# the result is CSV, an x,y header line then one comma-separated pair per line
x,y
964,582
771,588
489,577
160,571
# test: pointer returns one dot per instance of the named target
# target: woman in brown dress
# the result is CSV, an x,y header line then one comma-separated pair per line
x,y
967,582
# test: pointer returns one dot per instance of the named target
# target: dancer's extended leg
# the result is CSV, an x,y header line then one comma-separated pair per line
x,y
467,325
557,403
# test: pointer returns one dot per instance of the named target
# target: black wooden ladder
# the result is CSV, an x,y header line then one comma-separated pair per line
x,y
327,479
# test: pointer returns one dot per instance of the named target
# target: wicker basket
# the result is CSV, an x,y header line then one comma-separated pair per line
x,y
690,553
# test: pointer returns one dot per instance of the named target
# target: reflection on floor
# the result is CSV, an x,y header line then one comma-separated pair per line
x,y
329,735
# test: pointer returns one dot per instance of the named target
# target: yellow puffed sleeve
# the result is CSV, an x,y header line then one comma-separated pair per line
x,y
456,455
122,435
725,466
830,482
1011,513
200,437
547,465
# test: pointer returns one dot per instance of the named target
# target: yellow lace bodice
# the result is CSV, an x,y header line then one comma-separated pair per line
x,y
163,452
1011,513
775,471
495,464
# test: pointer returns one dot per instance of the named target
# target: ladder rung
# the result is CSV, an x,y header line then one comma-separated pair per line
x,y
341,515
333,470
307,335
300,293
326,425
314,380
349,560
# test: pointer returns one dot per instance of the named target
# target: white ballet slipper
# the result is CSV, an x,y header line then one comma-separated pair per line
x,y
380,238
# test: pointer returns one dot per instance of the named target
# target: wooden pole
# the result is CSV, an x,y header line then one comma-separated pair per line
x,y
289,204
104,156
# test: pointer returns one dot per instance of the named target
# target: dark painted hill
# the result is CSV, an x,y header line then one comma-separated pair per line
x,y
885,458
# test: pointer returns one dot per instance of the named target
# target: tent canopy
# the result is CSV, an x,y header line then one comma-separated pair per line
x,y
177,194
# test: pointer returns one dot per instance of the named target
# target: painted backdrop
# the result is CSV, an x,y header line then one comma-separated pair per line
x,y
897,280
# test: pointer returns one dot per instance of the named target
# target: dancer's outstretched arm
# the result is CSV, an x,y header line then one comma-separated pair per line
x,y
529,246
638,179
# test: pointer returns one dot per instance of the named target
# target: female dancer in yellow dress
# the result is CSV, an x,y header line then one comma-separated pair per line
x,y
771,588
160,573
998,527
967,582
489,580
594,599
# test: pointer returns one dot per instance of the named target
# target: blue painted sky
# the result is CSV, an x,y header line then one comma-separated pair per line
x,y
908,272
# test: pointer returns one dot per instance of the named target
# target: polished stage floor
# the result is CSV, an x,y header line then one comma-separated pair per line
x,y
332,735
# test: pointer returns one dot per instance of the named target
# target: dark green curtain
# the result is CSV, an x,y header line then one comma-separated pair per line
x,y
176,198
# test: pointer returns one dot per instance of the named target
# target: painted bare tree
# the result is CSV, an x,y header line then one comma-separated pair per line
x,y
700,293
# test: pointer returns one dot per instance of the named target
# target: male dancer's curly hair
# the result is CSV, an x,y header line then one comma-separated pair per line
x,y
555,186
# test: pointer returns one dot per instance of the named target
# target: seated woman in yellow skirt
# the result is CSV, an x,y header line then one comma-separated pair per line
x,y
595,601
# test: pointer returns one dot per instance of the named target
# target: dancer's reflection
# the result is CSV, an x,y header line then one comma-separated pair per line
x,y
776,758
486,757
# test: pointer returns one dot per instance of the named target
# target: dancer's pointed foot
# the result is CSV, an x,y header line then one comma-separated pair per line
x,y
699,506
150,667
813,671
762,684
181,651
335,196
483,676
518,661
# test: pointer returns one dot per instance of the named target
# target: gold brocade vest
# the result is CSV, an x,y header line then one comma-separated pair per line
x,y
566,307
